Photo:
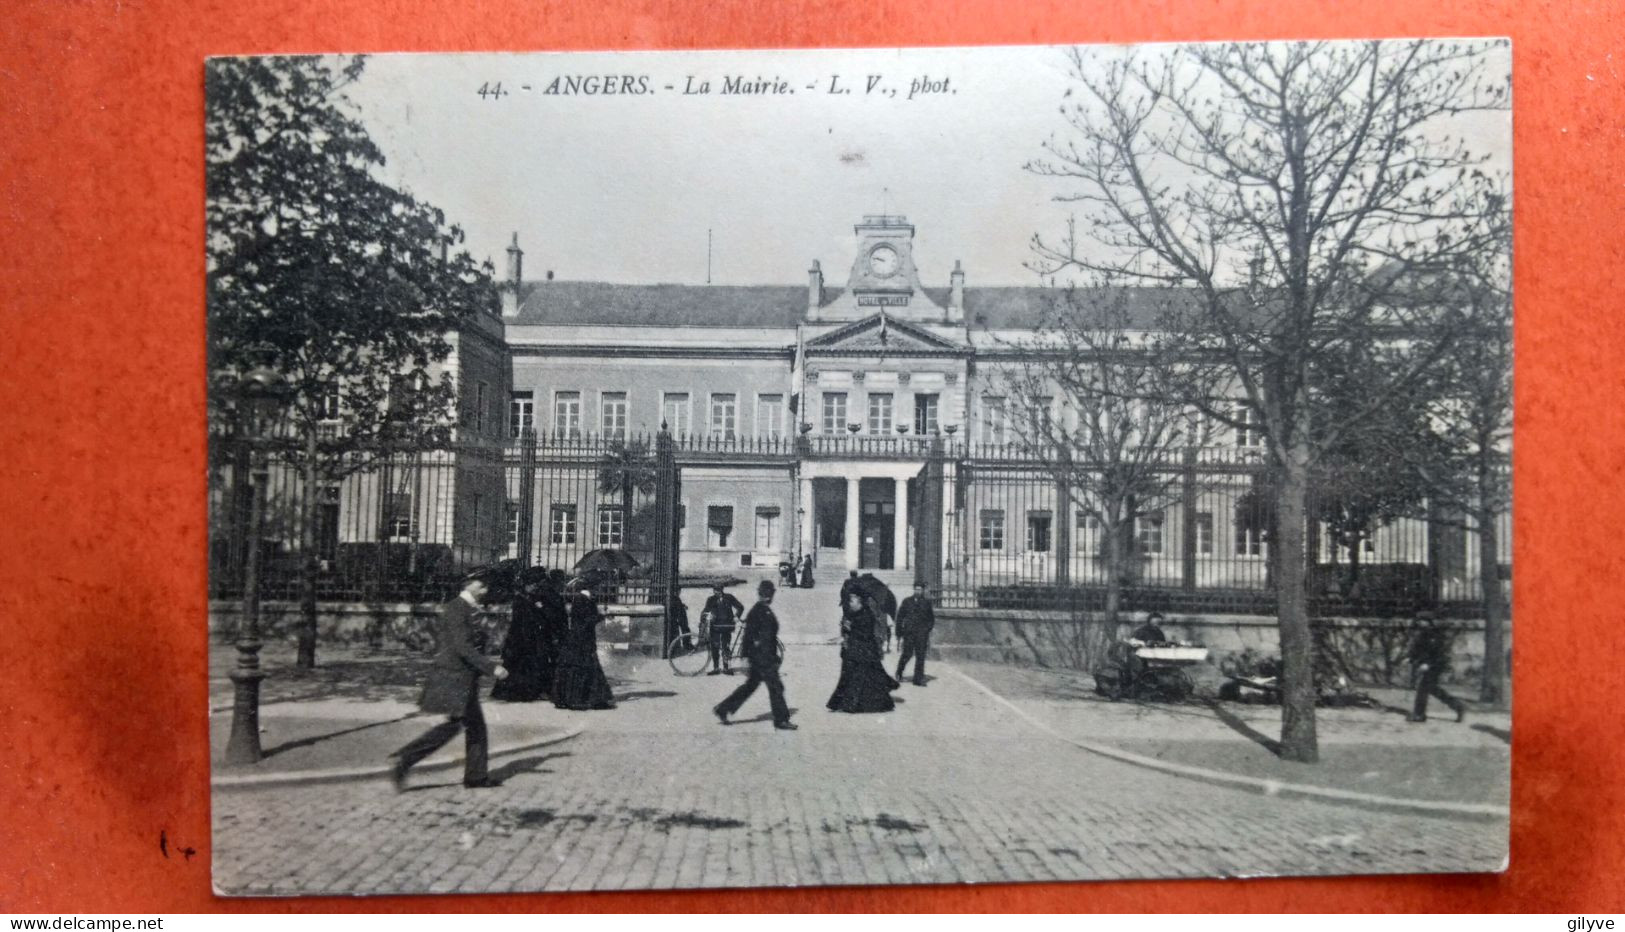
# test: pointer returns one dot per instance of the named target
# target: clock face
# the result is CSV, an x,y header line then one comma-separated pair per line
x,y
883,261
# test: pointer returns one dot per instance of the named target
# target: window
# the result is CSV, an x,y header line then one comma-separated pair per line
x,y
1148,531
719,520
399,515
674,412
513,523
611,525
327,524
1039,524
770,416
562,524
479,407
1204,532
724,416
991,536
521,414
768,527
880,413
1249,432
834,412
1044,415
327,404
613,405
1089,532
1249,541
925,414
567,414
993,421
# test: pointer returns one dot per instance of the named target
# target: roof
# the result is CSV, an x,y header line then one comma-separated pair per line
x,y
775,306
607,304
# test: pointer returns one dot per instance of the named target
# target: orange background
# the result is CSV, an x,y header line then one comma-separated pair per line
x,y
102,594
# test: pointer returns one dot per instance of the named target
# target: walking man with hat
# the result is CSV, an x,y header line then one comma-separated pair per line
x,y
762,652
915,619
452,689
1431,654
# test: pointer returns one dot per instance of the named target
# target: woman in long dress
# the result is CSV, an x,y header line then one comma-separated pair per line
x,y
865,686
525,649
579,682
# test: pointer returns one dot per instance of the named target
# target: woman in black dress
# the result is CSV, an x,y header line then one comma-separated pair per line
x,y
580,683
525,651
865,686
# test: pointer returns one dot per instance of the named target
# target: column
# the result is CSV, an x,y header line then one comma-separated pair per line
x,y
852,523
900,537
806,516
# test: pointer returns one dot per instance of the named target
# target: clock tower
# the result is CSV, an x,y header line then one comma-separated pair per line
x,y
884,278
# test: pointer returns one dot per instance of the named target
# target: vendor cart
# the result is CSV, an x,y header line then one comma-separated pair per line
x,y
1146,670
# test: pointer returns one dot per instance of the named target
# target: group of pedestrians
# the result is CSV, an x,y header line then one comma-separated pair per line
x,y
549,653
864,685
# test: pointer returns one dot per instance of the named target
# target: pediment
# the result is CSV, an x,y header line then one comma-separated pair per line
x,y
881,333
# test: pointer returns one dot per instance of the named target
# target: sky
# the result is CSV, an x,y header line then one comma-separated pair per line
x,y
625,188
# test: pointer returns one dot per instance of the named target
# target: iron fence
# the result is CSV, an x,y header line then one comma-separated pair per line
x,y
997,527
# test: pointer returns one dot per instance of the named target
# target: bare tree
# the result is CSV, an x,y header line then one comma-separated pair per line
x,y
1468,471
1086,401
1275,181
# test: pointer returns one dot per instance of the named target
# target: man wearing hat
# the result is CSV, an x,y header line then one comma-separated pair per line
x,y
452,688
915,619
1431,654
761,648
722,613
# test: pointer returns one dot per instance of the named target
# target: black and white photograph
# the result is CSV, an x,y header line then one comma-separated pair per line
x,y
683,470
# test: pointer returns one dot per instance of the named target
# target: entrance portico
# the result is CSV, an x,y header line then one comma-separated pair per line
x,y
860,509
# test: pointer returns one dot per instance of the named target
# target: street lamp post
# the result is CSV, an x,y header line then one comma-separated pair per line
x,y
260,394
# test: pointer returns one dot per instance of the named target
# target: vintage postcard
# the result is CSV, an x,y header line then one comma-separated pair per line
x,y
891,466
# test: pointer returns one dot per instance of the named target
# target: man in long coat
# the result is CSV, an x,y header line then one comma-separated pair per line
x,y
761,649
1431,654
452,690
915,619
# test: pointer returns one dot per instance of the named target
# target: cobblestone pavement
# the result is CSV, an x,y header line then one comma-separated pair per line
x,y
946,789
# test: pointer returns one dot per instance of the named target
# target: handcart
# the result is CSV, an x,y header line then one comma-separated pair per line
x,y
1149,670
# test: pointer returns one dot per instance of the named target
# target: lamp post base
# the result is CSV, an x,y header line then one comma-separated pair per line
x,y
243,747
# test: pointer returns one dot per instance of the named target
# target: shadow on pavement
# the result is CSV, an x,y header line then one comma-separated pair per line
x,y
317,739
1501,733
1242,728
644,694
525,765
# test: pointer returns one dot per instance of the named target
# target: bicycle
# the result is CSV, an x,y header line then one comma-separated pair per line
x,y
690,654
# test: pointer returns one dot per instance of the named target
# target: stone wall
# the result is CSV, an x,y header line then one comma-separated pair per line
x,y
1368,651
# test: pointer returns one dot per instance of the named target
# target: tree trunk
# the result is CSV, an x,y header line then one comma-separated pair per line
x,y
1298,739
308,566
1493,689
1114,566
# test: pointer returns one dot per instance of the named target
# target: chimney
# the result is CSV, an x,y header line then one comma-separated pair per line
x,y
815,290
956,294
510,287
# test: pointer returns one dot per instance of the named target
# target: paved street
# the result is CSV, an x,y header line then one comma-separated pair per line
x,y
948,788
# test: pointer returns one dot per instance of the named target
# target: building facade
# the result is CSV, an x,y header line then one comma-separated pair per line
x,y
806,417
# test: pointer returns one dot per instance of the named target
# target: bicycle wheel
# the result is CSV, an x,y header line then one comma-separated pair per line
x,y
687,656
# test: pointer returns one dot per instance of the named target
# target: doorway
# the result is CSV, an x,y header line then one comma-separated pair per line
x,y
877,523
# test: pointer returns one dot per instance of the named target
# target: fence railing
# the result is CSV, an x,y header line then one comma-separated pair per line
x,y
1016,530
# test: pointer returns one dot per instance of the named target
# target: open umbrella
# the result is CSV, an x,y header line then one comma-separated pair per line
x,y
617,563
875,591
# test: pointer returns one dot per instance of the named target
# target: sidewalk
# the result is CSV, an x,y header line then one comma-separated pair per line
x,y
1372,751
342,720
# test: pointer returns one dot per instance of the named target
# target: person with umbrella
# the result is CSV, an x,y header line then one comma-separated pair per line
x,y
525,649
864,686
721,612
580,683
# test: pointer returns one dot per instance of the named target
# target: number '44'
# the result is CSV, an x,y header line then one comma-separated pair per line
x,y
492,91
